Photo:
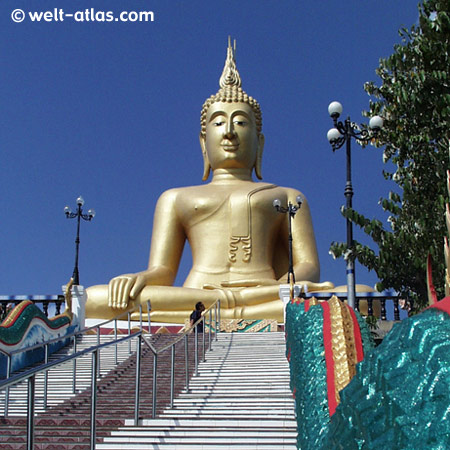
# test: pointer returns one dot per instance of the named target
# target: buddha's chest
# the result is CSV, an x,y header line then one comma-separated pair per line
x,y
236,209
240,221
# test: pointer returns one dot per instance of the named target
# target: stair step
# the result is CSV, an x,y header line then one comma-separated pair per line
x,y
239,399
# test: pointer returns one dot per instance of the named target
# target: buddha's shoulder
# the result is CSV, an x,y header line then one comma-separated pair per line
x,y
190,192
182,193
287,192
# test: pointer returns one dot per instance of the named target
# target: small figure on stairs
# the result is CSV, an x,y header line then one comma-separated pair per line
x,y
196,314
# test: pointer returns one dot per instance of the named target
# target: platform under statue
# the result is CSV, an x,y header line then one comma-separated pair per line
x,y
238,240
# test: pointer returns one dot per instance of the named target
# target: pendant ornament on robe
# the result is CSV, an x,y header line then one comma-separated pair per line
x,y
241,223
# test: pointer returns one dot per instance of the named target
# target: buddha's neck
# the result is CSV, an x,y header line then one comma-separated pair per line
x,y
227,175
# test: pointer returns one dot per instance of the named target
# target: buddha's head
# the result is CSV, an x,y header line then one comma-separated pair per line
x,y
231,125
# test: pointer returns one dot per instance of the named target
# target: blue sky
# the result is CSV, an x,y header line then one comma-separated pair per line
x,y
111,111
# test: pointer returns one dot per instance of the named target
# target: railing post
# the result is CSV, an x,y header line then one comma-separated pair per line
x,y
115,338
129,332
30,412
45,376
383,308
8,375
215,324
58,307
140,317
138,381
396,310
203,338
196,350
74,368
98,343
3,306
44,307
370,306
95,361
186,361
172,375
155,367
219,315
149,308
210,330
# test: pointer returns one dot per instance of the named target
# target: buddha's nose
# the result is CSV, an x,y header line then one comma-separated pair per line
x,y
229,130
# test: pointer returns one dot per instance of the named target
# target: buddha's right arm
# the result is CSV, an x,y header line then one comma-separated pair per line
x,y
128,286
167,244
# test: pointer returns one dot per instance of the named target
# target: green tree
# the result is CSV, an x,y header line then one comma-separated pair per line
x,y
414,100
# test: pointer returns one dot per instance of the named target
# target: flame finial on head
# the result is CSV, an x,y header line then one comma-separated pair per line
x,y
230,75
231,91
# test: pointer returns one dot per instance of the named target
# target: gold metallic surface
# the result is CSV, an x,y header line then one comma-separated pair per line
x,y
343,344
68,296
239,242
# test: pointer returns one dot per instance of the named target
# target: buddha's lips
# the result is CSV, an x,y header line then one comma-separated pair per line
x,y
230,146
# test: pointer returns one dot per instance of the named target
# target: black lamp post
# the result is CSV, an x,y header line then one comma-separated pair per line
x,y
341,134
79,215
291,210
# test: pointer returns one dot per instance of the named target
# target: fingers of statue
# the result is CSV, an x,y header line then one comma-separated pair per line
x,y
113,288
110,298
124,292
119,291
137,287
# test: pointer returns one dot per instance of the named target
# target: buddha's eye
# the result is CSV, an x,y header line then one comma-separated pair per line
x,y
218,123
241,123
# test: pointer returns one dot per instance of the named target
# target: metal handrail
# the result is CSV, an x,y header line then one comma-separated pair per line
x,y
184,335
17,378
73,335
70,335
30,375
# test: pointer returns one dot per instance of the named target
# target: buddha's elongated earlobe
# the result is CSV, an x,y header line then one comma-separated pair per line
x,y
206,165
259,153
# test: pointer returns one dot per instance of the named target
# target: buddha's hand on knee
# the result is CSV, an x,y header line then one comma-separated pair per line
x,y
123,288
248,283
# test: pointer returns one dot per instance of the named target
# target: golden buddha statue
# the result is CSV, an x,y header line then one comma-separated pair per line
x,y
238,240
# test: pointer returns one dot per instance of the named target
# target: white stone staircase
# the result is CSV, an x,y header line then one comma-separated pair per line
x,y
239,400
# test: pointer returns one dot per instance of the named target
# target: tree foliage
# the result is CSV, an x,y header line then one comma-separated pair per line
x,y
414,100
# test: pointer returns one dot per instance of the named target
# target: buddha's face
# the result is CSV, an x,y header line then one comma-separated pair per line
x,y
231,137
